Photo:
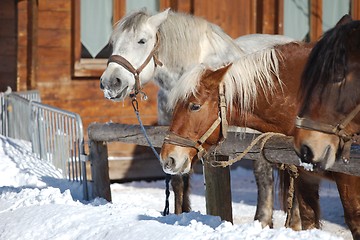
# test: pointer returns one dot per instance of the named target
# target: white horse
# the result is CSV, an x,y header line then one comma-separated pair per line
x,y
163,47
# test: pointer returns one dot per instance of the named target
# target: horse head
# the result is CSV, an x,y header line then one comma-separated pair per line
x,y
134,56
329,120
198,120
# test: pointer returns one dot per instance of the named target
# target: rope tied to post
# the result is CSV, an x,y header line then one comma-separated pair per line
x,y
263,138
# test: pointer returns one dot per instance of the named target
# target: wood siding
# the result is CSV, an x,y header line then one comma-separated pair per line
x,y
53,51
8,44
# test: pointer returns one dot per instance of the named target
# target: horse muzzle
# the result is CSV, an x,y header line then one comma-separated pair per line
x,y
176,160
316,148
116,95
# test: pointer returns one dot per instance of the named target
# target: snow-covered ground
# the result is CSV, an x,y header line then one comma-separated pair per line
x,y
35,203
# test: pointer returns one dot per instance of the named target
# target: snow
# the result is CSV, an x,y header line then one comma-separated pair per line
x,y
35,203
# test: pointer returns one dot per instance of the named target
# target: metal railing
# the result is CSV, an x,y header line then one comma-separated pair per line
x,y
30,95
56,135
14,119
18,117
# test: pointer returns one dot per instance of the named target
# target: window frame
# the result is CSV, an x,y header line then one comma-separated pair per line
x,y
89,67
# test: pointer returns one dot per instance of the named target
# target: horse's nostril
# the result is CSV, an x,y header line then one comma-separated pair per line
x,y
170,163
306,154
101,85
118,80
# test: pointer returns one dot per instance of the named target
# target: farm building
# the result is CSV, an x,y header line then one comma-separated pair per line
x,y
49,45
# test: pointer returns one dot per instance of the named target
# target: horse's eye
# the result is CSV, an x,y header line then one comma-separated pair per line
x,y
194,107
142,41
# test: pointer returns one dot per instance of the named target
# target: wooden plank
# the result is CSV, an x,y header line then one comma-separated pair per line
x,y
8,64
55,19
355,9
5,30
276,149
315,19
51,38
32,47
7,9
7,79
8,46
268,16
53,56
55,73
139,168
54,5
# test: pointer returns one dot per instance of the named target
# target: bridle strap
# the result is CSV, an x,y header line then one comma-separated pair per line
x,y
338,129
136,72
223,111
350,116
175,139
309,124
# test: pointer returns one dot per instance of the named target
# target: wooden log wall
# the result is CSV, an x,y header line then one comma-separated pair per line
x,y
44,52
8,44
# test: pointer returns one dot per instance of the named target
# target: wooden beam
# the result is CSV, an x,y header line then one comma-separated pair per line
x,y
269,16
355,9
186,6
276,149
315,19
32,29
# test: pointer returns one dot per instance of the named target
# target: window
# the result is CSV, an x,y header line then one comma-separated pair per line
x,y
301,25
84,64
92,25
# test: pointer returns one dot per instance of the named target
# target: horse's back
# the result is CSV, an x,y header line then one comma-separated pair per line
x,y
257,42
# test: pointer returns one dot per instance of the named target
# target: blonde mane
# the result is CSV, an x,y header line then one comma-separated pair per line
x,y
245,78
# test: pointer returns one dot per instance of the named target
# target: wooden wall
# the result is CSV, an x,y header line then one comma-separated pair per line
x,y
8,44
44,54
82,95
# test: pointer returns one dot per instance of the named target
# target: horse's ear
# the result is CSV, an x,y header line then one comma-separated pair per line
x,y
158,19
344,20
214,77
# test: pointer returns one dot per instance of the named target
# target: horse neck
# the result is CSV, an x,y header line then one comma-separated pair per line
x,y
275,110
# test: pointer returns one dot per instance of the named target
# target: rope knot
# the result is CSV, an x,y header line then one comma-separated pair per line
x,y
262,138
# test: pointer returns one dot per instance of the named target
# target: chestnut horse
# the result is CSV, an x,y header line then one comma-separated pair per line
x,y
329,119
205,100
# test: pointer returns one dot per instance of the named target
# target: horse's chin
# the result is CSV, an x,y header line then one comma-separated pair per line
x,y
118,95
180,169
184,170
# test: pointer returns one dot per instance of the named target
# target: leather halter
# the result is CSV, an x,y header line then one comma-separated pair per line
x,y
338,130
175,139
136,72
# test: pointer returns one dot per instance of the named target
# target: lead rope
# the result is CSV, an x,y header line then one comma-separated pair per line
x,y
293,172
135,105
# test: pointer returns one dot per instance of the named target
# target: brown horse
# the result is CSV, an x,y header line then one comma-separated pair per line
x,y
328,119
204,101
